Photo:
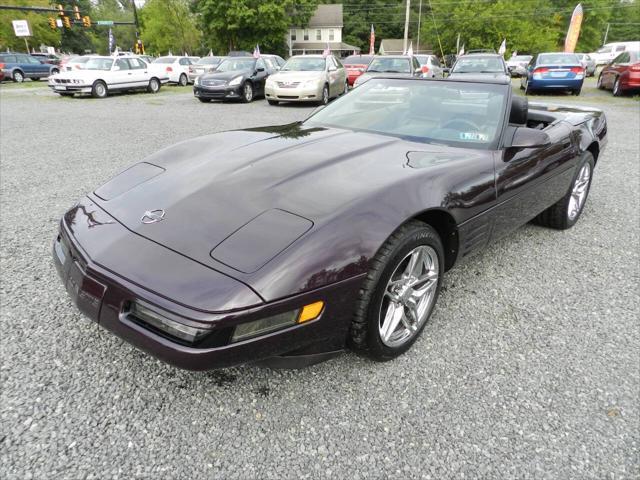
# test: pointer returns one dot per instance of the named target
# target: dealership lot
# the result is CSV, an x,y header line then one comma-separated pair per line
x,y
528,369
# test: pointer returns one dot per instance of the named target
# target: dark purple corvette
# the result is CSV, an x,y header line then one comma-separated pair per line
x,y
287,244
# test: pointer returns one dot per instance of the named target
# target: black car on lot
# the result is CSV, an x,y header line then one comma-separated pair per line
x,y
237,78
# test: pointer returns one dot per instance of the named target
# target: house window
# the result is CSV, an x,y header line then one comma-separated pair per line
x,y
318,34
293,35
331,35
306,34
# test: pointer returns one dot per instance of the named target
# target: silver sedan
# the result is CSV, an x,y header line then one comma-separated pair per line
x,y
307,78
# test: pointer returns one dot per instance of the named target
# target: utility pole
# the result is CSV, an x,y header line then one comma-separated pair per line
x,y
419,18
406,26
606,34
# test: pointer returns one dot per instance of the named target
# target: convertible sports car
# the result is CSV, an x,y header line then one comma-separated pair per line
x,y
287,244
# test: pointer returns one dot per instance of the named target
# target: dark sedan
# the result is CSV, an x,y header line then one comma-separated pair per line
x,y
479,65
287,244
235,78
622,74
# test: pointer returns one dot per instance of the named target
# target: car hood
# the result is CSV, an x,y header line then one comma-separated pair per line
x,y
81,74
296,76
225,75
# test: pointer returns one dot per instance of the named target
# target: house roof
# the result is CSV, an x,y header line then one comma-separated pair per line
x,y
327,16
395,45
334,46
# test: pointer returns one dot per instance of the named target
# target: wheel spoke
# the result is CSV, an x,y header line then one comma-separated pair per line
x,y
393,317
415,263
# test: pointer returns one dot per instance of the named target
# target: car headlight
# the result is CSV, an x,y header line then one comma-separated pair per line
x,y
235,81
167,325
310,83
196,81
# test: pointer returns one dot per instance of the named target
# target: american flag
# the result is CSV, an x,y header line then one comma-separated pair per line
x,y
256,52
112,41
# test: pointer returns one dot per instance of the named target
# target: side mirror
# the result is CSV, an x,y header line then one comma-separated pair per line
x,y
529,138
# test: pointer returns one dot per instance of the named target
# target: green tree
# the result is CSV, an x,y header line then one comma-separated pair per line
x,y
242,24
118,11
42,33
169,25
625,22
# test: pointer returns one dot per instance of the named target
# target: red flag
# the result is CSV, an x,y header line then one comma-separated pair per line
x,y
372,40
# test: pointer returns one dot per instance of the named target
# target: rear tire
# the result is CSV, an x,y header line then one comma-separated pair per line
x,y
366,334
99,89
599,84
273,102
154,85
617,89
565,213
325,95
183,80
18,76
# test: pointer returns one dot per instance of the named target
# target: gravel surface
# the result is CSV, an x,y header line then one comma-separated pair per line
x,y
529,368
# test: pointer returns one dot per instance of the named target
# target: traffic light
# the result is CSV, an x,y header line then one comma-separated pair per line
x,y
60,10
52,23
139,47
66,22
86,21
76,13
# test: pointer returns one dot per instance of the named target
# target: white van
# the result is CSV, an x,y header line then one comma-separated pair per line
x,y
609,51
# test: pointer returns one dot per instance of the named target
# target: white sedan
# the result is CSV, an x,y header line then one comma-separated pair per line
x,y
176,68
102,75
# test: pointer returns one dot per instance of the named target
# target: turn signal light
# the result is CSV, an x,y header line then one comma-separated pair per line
x,y
310,312
635,67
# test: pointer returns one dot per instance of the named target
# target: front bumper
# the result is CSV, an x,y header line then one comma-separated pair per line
x,y
297,94
105,296
218,92
70,88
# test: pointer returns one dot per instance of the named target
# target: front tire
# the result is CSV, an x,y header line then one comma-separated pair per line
x,y
99,89
247,92
599,84
183,80
325,95
565,213
18,76
399,292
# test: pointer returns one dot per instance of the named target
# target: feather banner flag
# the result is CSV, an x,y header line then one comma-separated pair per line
x,y
372,40
574,30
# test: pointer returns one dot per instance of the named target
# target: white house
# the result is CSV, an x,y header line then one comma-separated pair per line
x,y
325,26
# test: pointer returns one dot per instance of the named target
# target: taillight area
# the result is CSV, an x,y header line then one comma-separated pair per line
x,y
577,70
169,69
1,65
635,67
541,70
424,69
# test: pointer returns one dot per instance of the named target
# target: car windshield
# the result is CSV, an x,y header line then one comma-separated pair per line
x,y
165,60
80,59
558,59
305,64
209,61
237,63
478,64
99,64
423,59
521,58
451,113
390,65
357,60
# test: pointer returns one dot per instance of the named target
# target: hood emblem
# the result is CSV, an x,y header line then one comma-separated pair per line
x,y
153,216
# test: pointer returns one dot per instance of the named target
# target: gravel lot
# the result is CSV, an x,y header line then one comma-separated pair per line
x,y
530,367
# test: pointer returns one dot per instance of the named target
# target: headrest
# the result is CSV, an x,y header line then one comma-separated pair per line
x,y
519,110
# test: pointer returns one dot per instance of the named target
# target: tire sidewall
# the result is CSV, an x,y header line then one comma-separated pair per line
x,y
20,77
417,237
587,157
244,92
183,80
616,88
325,98
154,81
95,89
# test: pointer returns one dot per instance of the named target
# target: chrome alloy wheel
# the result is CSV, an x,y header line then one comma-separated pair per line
x,y
579,192
408,296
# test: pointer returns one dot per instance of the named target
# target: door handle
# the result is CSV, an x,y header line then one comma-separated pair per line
x,y
130,73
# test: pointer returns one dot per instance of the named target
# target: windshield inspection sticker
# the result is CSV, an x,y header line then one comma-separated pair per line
x,y
474,136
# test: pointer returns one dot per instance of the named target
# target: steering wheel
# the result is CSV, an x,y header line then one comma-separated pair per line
x,y
461,125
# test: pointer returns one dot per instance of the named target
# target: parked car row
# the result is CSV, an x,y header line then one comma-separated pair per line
x,y
19,66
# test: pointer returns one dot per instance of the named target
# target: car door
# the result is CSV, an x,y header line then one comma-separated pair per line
x,y
37,67
620,64
342,75
260,76
529,180
139,76
29,69
121,76
609,72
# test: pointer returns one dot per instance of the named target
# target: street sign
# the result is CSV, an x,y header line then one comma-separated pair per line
x,y
104,22
21,28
